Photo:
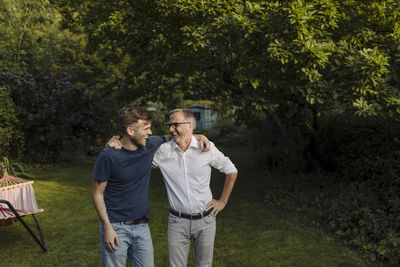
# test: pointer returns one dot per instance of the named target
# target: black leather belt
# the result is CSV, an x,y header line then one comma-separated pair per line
x,y
194,216
144,219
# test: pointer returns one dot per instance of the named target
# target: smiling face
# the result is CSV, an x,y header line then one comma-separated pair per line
x,y
182,131
139,132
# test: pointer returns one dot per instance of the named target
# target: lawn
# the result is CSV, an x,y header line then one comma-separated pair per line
x,y
249,231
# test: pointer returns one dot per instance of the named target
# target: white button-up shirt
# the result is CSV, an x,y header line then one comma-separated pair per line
x,y
187,174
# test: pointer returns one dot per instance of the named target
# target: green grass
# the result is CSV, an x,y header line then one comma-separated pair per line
x,y
249,232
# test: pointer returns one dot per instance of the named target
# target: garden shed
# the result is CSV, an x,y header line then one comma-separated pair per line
x,y
206,118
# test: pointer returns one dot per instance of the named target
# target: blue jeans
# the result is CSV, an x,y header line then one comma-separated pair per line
x,y
181,231
135,243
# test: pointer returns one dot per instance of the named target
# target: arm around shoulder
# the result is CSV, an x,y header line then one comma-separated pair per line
x,y
205,144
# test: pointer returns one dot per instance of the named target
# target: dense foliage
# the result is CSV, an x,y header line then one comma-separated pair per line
x,y
56,118
352,211
253,54
360,201
9,133
367,155
363,149
48,111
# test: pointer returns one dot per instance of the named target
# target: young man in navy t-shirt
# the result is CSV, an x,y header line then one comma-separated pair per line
x,y
120,192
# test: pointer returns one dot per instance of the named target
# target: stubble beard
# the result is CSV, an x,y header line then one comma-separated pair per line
x,y
136,141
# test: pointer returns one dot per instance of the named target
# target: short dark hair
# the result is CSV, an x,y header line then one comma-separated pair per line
x,y
129,115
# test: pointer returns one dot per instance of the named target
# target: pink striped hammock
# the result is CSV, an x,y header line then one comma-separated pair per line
x,y
17,199
20,194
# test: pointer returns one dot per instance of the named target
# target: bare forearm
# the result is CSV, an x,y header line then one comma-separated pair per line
x,y
100,208
99,204
219,205
230,180
111,240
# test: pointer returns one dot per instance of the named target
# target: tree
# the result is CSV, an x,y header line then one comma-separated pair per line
x,y
33,39
253,54
296,58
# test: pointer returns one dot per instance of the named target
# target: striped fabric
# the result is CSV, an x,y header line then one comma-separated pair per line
x,y
20,194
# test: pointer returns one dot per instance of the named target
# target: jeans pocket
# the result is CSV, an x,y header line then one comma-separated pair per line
x,y
116,226
173,219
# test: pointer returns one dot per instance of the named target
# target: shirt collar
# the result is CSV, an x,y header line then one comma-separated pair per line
x,y
194,143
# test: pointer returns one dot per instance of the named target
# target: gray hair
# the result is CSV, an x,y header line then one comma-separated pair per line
x,y
187,114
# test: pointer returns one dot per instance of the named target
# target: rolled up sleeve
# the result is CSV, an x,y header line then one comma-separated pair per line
x,y
221,162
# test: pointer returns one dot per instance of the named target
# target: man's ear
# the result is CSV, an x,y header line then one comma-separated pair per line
x,y
130,131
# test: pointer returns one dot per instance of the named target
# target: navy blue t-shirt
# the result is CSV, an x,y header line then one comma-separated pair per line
x,y
127,174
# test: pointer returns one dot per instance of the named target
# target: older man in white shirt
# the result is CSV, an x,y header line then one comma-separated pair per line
x,y
187,172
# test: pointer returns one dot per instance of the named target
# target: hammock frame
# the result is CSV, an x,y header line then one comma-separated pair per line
x,y
41,242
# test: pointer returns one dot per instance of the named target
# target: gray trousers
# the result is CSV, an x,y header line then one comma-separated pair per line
x,y
181,231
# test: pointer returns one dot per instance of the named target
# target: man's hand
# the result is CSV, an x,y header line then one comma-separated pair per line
x,y
114,142
205,144
110,238
216,205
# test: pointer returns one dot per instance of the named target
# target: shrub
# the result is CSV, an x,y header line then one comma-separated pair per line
x,y
353,211
279,143
13,168
366,209
57,118
228,132
10,136
365,220
359,200
363,149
